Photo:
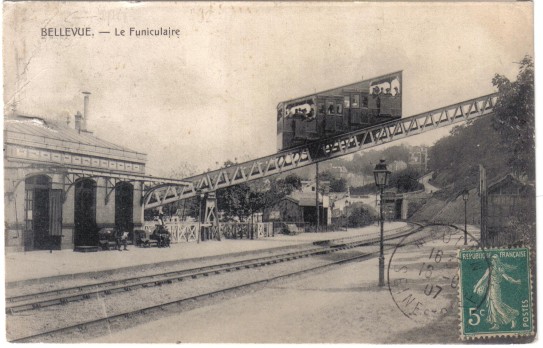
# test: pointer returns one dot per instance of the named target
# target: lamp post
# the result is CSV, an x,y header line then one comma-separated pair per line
x,y
201,196
465,196
381,175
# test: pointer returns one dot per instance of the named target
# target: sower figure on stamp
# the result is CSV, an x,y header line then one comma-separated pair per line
x,y
498,312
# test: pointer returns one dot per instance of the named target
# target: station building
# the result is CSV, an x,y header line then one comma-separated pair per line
x,y
62,184
301,206
510,212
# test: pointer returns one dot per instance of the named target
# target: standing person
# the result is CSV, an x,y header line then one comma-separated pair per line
x,y
118,239
161,217
124,240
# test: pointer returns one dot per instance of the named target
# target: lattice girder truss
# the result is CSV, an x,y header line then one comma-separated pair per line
x,y
321,150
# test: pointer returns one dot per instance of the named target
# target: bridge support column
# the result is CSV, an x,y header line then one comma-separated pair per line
x,y
211,217
137,206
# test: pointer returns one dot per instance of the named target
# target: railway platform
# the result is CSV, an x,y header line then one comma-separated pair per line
x,y
37,266
330,307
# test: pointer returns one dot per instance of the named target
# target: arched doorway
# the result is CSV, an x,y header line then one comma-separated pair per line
x,y
43,214
85,229
124,206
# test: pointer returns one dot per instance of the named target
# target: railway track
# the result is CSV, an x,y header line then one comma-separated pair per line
x,y
33,301
133,316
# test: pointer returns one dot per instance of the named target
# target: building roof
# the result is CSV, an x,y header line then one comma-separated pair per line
x,y
507,180
293,200
36,132
305,199
357,86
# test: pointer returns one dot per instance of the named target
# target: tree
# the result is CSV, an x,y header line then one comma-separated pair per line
x,y
514,117
338,185
278,189
455,159
290,183
502,143
406,180
243,200
364,163
233,201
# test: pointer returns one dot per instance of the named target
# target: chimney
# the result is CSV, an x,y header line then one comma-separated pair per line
x,y
85,111
78,122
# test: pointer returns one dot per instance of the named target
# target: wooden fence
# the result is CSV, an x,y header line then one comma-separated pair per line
x,y
186,232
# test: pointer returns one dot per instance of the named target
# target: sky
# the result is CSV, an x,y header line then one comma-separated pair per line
x,y
210,95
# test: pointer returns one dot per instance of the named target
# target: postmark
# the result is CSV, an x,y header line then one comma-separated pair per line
x,y
423,274
495,297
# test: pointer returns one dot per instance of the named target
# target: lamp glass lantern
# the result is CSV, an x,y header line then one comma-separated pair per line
x,y
381,174
465,195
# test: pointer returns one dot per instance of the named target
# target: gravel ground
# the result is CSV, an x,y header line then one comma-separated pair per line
x,y
45,319
54,284
341,304
49,285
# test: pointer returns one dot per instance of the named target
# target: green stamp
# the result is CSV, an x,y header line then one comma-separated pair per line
x,y
495,293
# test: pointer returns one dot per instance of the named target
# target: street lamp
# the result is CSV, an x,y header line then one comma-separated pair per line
x,y
381,175
465,196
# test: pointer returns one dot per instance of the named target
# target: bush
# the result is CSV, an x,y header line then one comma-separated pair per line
x,y
360,217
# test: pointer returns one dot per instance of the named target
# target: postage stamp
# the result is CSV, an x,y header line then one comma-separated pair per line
x,y
495,293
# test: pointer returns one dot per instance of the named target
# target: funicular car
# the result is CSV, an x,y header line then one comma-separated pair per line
x,y
339,110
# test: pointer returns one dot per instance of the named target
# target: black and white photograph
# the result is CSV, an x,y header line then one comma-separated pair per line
x,y
269,172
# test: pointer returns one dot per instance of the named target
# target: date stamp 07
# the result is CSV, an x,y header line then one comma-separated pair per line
x,y
495,293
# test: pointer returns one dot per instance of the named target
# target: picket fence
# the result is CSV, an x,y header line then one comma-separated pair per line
x,y
186,232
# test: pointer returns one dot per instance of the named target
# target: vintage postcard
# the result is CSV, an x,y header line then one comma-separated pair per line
x,y
269,172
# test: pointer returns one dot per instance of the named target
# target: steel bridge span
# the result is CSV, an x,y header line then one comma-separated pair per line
x,y
318,151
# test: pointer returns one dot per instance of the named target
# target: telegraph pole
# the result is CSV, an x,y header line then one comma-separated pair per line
x,y
317,195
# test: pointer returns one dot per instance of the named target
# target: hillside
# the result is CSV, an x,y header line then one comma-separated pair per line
x,y
503,143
